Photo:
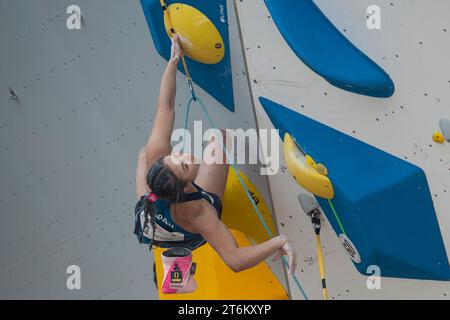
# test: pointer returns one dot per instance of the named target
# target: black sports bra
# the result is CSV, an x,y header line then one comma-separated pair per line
x,y
212,198
167,233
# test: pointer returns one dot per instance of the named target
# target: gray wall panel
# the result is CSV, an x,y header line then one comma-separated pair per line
x,y
68,147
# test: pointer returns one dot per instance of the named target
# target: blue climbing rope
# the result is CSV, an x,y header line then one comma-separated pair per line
x,y
212,124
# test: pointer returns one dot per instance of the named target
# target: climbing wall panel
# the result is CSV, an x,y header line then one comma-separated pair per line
x,y
412,47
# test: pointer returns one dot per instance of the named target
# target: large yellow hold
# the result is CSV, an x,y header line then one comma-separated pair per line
x,y
306,172
199,38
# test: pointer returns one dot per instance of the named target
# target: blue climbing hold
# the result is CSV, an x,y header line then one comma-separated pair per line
x,y
320,45
383,202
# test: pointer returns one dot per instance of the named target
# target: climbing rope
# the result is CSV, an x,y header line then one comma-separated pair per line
x,y
194,98
241,181
336,216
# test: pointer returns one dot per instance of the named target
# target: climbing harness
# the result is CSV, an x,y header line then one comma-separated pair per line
x,y
194,98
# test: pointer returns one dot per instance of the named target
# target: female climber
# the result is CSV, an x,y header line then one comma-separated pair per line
x,y
180,201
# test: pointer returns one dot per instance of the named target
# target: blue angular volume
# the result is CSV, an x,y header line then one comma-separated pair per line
x,y
320,45
383,202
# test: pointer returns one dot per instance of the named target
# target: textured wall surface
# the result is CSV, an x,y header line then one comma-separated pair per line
x,y
413,47
68,146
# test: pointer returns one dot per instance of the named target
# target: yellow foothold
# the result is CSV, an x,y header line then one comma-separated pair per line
x,y
438,137
322,169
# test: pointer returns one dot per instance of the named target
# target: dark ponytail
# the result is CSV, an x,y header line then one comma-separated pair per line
x,y
165,185
149,213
